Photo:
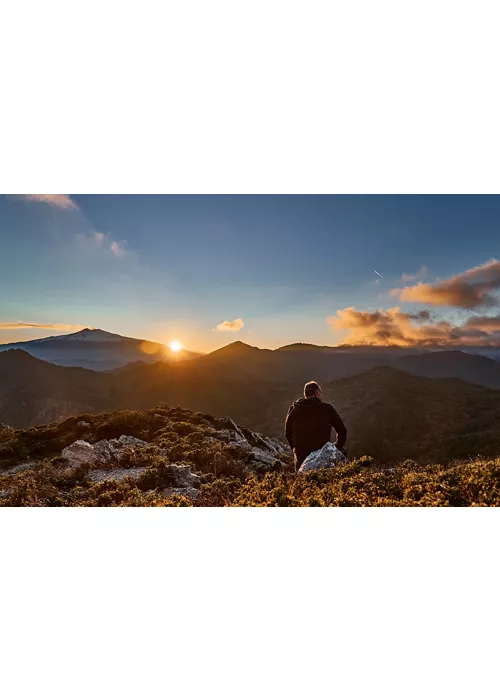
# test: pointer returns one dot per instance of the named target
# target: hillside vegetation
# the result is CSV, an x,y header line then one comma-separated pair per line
x,y
389,413
221,464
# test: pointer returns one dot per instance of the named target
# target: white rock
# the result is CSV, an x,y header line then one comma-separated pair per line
x,y
83,425
102,452
328,456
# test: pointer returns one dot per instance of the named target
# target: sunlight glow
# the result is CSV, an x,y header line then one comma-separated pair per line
x,y
175,346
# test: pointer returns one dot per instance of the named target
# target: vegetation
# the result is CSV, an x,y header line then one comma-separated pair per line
x,y
390,414
360,483
225,475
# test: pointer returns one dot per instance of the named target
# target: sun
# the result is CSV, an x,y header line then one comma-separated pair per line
x,y
175,346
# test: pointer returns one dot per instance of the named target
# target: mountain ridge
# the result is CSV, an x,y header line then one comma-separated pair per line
x,y
94,348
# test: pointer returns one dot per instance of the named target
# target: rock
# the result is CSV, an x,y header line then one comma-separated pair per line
x,y
80,452
18,468
189,492
184,477
102,452
260,455
100,475
325,458
127,441
260,449
83,425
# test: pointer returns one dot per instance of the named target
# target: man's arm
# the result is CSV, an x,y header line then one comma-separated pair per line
x,y
339,427
289,426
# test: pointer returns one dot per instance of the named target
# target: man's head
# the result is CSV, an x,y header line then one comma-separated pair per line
x,y
313,389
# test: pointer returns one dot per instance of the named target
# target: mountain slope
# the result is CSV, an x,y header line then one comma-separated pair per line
x,y
389,413
392,415
98,349
34,391
476,369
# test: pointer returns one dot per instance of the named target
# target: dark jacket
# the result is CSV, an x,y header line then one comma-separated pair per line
x,y
309,424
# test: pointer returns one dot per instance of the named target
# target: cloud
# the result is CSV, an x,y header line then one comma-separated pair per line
x,y
468,290
118,248
487,324
417,276
98,241
18,325
395,327
60,201
233,326
390,327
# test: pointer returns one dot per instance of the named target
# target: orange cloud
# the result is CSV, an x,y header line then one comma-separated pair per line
x,y
390,327
394,327
233,326
18,325
60,201
468,290
488,324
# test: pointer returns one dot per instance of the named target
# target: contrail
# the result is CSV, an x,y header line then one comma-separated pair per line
x,y
378,273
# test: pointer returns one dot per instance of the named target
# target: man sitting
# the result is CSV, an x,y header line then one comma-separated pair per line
x,y
309,424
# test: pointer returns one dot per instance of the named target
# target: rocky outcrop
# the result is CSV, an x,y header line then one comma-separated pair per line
x,y
102,452
260,449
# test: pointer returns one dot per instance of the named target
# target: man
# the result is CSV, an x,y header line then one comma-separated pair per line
x,y
309,424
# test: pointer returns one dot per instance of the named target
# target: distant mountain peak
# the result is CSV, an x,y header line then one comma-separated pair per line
x,y
93,335
238,347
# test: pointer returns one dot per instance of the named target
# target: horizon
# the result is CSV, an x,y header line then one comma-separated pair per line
x,y
206,270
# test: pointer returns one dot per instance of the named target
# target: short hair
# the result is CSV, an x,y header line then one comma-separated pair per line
x,y
311,388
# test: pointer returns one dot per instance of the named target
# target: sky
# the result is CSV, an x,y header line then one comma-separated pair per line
x,y
268,270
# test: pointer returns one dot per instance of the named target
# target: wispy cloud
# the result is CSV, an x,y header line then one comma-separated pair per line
x,y
60,201
18,325
417,276
102,241
118,248
468,290
233,326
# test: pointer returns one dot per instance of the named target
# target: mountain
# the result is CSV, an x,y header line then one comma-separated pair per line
x,y
476,369
98,349
394,415
296,363
389,413
302,362
34,391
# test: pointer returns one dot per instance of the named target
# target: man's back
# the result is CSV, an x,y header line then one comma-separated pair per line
x,y
309,426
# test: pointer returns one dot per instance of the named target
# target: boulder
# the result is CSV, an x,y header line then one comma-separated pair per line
x,y
102,452
78,453
325,458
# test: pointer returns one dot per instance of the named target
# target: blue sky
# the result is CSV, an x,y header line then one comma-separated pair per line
x,y
276,268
